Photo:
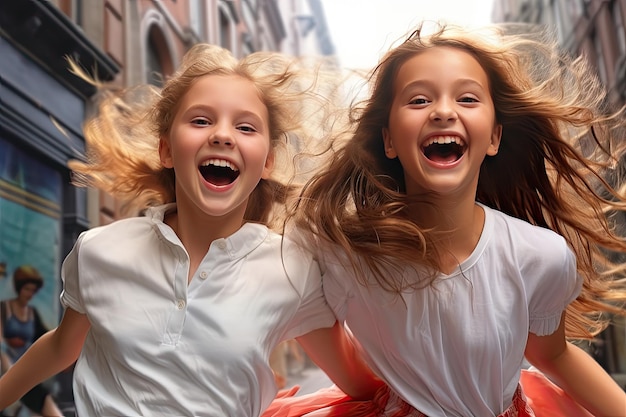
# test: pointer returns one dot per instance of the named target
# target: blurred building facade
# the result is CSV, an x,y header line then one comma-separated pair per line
x,y
597,30
594,28
43,106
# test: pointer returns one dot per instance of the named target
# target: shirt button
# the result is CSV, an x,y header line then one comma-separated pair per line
x,y
180,304
203,275
221,244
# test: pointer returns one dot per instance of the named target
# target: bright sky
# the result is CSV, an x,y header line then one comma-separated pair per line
x,y
363,30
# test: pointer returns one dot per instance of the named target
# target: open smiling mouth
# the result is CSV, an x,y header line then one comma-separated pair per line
x,y
219,171
444,149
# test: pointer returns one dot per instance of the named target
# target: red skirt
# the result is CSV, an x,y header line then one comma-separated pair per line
x,y
535,397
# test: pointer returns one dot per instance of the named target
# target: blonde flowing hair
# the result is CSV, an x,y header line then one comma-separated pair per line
x,y
559,166
122,137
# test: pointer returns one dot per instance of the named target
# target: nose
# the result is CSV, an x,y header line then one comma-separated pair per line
x,y
443,111
222,135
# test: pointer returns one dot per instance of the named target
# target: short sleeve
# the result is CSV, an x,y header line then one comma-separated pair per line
x,y
334,277
70,296
556,288
313,312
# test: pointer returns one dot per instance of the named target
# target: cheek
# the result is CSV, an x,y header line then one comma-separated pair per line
x,y
256,149
407,123
184,148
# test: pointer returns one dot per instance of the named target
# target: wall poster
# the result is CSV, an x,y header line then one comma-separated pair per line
x,y
30,227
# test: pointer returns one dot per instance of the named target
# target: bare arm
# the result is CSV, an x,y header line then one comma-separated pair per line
x,y
49,355
333,351
576,373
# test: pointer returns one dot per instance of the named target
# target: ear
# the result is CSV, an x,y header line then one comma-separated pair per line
x,y
269,166
165,153
389,149
496,137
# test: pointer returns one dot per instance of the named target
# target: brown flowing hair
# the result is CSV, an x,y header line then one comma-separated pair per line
x,y
123,134
558,167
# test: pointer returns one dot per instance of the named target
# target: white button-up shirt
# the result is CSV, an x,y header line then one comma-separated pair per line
x,y
159,346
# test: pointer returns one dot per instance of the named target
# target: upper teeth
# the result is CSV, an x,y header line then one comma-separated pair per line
x,y
220,163
442,140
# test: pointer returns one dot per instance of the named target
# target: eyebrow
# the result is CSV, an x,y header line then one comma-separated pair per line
x,y
239,112
459,82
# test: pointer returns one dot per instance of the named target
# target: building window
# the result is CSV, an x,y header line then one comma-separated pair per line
x,y
197,17
250,18
225,30
158,62
154,69
72,9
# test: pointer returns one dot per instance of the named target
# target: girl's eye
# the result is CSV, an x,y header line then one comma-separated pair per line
x,y
418,101
468,99
201,121
247,128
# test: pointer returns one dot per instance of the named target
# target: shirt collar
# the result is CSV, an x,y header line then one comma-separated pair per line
x,y
247,238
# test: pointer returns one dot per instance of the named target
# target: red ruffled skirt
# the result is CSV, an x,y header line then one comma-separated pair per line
x,y
535,397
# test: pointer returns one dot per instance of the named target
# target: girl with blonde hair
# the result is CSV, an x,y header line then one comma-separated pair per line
x,y
176,312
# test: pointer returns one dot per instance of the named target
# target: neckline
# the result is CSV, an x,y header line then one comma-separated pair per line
x,y
478,250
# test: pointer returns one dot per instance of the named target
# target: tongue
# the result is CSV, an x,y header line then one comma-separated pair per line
x,y
218,180
443,157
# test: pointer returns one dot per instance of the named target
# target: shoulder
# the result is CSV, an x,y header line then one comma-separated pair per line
x,y
326,254
287,247
526,236
269,249
535,252
130,227
296,247
119,229
295,260
122,239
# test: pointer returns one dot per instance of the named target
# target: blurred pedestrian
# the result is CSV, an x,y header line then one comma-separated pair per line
x,y
20,326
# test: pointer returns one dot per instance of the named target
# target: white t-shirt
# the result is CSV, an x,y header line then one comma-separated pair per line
x,y
456,349
160,347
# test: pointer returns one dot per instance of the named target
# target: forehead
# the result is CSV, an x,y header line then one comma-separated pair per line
x,y
225,92
441,64
221,82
